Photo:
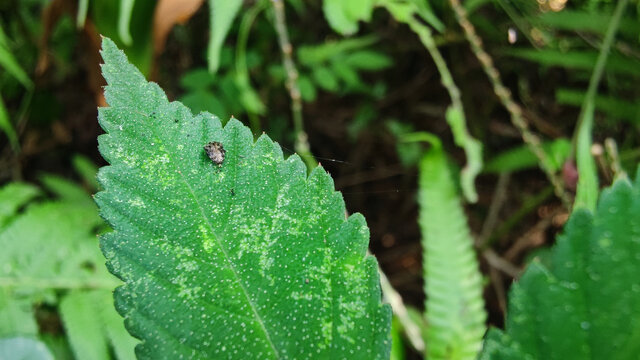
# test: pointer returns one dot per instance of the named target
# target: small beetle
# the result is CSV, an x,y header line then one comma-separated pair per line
x,y
215,152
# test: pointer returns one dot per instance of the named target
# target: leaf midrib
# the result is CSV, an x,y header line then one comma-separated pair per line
x,y
224,252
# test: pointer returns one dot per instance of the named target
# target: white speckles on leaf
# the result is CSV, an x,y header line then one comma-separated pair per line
x,y
247,260
137,202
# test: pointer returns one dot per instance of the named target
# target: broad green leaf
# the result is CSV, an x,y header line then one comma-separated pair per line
x,y
454,306
358,10
587,305
201,100
197,79
221,15
12,197
24,348
84,331
17,315
521,157
343,16
122,343
52,245
247,259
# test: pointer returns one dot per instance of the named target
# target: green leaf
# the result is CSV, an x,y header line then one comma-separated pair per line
x,y
52,245
586,305
66,190
584,60
221,16
307,89
7,127
124,21
12,197
78,313
87,171
197,79
521,157
577,20
16,315
614,106
247,259
311,55
453,285
343,16
423,8
325,79
201,100
24,348
122,343
368,60
346,74
10,64
587,188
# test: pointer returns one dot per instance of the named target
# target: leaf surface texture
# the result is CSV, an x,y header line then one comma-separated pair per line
x,y
247,259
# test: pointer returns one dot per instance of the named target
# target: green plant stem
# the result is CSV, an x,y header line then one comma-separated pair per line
x,y
528,205
301,144
124,21
587,190
242,71
504,95
81,17
461,134
412,330
614,159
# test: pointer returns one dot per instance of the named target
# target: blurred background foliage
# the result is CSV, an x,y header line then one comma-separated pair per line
x,y
365,81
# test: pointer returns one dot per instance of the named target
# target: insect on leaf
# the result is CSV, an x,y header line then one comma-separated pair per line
x,y
247,259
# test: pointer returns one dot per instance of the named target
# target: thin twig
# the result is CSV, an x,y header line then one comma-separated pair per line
x,y
400,310
587,189
501,264
462,137
496,281
498,199
532,140
302,143
612,152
